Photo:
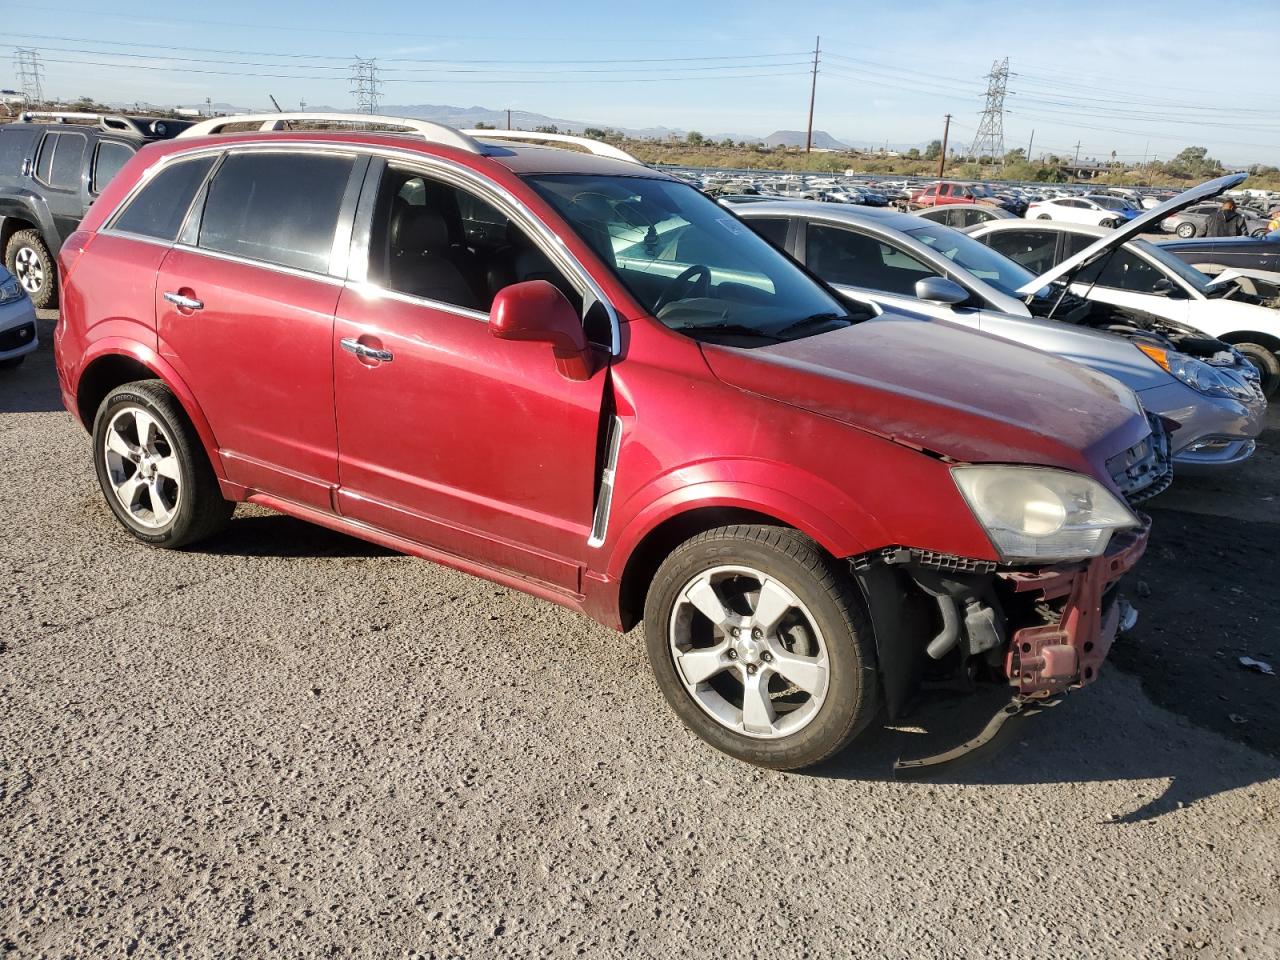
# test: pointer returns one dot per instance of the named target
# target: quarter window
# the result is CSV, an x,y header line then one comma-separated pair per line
x,y
279,208
111,157
161,206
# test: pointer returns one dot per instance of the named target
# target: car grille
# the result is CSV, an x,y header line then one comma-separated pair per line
x,y
17,337
1145,469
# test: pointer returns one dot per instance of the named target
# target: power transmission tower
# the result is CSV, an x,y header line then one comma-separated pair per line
x,y
365,84
28,70
989,140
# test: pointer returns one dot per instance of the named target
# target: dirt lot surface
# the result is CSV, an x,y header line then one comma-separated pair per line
x,y
291,743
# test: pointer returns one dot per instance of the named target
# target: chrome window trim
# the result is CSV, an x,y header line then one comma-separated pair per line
x,y
548,241
604,504
261,264
108,225
142,238
371,290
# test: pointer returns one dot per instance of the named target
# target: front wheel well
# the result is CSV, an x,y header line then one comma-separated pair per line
x,y
658,543
9,225
1246,336
101,377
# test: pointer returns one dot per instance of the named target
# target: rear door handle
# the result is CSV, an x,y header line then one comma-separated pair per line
x,y
186,303
352,345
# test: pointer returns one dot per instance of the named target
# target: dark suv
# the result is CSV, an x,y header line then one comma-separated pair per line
x,y
52,166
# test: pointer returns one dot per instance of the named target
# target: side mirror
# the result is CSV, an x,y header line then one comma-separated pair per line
x,y
536,311
941,290
1165,287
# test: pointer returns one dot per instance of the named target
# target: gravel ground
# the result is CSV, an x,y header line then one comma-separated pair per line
x,y
291,743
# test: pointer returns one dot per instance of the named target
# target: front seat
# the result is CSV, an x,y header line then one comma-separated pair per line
x,y
421,262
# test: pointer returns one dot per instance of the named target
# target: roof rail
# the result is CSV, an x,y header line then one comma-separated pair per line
x,y
432,132
598,147
107,121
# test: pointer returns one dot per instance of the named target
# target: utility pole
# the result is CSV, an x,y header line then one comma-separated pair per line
x,y
1077,161
813,94
508,118
942,160
1029,143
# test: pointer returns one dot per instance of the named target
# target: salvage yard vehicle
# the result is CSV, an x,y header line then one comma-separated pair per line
x,y
1215,255
903,264
17,322
964,214
52,166
1190,223
1116,268
1088,210
582,378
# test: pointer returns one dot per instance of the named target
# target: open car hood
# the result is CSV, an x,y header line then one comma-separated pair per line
x,y
1138,225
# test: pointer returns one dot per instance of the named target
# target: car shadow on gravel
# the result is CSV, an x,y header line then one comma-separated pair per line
x,y
32,386
275,535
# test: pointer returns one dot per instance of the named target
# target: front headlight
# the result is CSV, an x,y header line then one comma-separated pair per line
x,y
1037,514
1196,374
11,290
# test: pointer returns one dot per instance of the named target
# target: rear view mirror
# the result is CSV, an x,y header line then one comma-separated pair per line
x,y
536,311
941,290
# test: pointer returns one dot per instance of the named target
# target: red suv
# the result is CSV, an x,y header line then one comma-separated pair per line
x,y
584,379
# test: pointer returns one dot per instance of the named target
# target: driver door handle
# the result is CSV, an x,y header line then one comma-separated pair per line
x,y
186,303
352,345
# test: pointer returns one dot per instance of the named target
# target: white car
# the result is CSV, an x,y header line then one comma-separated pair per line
x,y
1075,210
1113,266
17,321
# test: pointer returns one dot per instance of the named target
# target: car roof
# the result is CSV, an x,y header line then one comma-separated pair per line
x,y
833,211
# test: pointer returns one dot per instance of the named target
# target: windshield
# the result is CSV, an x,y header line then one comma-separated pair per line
x,y
1198,281
687,260
980,260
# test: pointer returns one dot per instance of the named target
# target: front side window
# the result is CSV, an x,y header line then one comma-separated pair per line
x,y
1121,270
1032,249
279,208
773,229
688,261
845,256
433,240
975,258
159,209
110,158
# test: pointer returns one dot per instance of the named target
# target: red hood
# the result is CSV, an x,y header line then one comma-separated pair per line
x,y
946,389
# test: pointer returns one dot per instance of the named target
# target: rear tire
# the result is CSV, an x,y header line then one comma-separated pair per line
x,y
1266,361
1109,222
153,469
28,259
1186,230
803,644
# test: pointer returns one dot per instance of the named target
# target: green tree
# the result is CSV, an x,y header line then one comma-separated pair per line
x,y
694,138
547,128
913,153
934,150
1016,155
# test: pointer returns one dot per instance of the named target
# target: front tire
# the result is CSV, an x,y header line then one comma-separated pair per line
x,y
1044,216
759,642
153,469
1266,361
1186,230
28,259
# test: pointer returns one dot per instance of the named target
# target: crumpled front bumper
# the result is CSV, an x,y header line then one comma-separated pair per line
x,y
1045,660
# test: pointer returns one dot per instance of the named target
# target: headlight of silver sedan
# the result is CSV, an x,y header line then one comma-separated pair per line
x,y
10,290
1039,514
1196,374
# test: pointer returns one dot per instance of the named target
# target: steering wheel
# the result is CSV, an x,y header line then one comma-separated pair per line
x,y
697,288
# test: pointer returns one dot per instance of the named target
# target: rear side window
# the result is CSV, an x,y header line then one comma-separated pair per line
x,y
276,207
61,160
111,157
159,209
1034,249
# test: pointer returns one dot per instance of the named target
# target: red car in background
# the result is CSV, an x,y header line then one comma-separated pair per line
x,y
583,379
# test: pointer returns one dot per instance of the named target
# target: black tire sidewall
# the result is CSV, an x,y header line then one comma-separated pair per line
x,y
1266,361
178,529
851,666
48,293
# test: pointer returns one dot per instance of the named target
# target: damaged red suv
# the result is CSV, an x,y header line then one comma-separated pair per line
x,y
581,378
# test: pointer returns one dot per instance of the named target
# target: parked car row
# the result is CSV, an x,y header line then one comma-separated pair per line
x,y
828,455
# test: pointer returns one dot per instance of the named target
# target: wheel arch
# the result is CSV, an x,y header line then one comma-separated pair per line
x,y
1267,340
112,365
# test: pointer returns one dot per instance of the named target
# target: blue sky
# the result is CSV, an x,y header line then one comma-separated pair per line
x,y
1133,77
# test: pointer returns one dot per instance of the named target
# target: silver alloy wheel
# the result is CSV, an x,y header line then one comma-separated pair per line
x,y
143,468
748,652
29,270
